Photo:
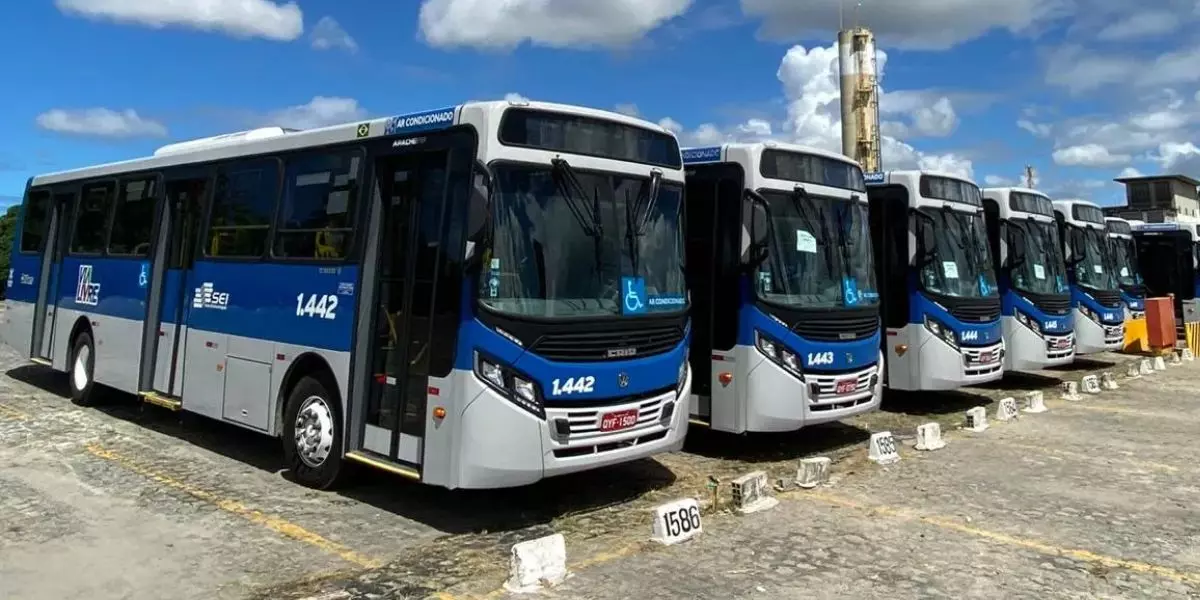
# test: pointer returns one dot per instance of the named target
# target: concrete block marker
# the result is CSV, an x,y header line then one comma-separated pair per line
x,y
1176,359
1108,381
1146,366
537,563
1160,364
1133,371
977,419
1006,409
750,493
1070,391
1187,354
929,437
1090,384
883,448
1035,402
813,472
677,521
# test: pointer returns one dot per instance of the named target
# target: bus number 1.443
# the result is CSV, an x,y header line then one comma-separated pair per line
x,y
322,306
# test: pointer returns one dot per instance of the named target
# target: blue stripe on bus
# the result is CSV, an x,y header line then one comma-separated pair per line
x,y
986,333
1108,316
26,276
1013,301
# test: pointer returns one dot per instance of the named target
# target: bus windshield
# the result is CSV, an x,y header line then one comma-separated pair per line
x,y
1124,254
959,263
818,253
1042,271
564,250
1094,268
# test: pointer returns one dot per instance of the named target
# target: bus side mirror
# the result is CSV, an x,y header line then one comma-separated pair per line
x,y
478,213
926,240
759,222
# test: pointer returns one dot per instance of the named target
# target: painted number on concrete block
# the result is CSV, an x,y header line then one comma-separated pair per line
x,y
677,521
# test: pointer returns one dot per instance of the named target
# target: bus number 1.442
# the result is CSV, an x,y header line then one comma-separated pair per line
x,y
322,306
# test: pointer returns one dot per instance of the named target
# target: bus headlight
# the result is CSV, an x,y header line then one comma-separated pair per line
x,y
1024,319
682,378
778,354
940,330
1087,312
512,384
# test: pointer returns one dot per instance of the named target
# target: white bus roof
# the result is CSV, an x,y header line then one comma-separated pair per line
x,y
278,139
717,153
906,176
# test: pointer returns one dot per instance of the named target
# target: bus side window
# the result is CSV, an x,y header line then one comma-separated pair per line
x,y
35,222
91,222
243,201
316,216
133,217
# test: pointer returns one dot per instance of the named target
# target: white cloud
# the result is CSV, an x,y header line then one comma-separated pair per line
x,y
1082,70
1089,155
1129,172
1141,24
928,114
502,25
239,18
321,111
916,24
810,85
1041,130
515,97
627,109
1179,158
328,34
100,122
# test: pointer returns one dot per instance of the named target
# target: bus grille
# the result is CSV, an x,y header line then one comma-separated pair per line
x,y
1106,299
976,311
1055,305
837,328
614,344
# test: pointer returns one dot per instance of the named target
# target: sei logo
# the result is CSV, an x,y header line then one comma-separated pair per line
x,y
573,385
819,358
970,335
322,306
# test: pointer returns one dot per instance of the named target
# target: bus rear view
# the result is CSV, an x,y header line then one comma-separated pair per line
x,y
784,303
1095,292
1035,296
940,299
1168,257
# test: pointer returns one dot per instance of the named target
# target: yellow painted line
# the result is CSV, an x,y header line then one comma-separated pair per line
x,y
276,524
1046,548
1095,458
11,413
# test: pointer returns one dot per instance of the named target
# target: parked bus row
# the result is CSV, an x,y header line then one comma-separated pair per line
x,y
492,293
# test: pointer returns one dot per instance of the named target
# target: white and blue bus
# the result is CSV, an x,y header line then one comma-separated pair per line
x,y
1168,257
477,296
785,312
1035,296
940,299
1125,261
1095,292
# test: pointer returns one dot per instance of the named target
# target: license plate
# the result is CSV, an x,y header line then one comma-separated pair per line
x,y
985,357
846,386
616,421
1060,344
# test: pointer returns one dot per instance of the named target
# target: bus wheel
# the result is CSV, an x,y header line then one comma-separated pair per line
x,y
312,435
81,372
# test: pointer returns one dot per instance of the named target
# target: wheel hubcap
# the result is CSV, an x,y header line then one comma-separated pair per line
x,y
79,373
314,431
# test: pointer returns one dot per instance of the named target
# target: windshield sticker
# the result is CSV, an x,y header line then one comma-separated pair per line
x,y
1059,283
1124,271
666,301
850,290
764,281
1098,268
984,288
950,269
633,290
805,242
1039,271
494,279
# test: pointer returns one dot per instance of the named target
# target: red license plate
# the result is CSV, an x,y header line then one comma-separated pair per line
x,y
1060,344
616,421
846,386
986,357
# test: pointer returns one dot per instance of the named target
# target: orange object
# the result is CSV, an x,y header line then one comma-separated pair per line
x,y
1160,322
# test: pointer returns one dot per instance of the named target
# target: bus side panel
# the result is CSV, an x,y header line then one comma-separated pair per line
x,y
111,294
16,325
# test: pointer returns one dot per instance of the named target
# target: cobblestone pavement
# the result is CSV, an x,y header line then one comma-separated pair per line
x,y
1093,499
141,502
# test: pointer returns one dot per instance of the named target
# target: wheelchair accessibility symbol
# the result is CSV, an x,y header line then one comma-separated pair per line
x,y
633,289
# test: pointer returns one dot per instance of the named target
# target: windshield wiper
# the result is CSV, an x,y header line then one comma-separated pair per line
x,y
799,194
587,217
643,214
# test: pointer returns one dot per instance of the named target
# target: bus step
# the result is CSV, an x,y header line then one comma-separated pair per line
x,y
158,399
367,457
45,362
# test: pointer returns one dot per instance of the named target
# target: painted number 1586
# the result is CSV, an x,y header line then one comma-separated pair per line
x,y
323,306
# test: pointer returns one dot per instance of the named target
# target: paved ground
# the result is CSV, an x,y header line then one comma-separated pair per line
x,y
142,504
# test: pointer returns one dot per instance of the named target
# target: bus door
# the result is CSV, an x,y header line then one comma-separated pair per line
x,y
181,215
412,280
58,233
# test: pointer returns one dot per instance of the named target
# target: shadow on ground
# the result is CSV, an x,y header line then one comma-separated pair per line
x,y
450,511
773,447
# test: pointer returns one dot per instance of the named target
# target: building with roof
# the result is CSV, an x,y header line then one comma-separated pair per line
x,y
1158,199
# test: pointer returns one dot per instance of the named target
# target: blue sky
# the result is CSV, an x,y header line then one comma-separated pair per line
x,y
1083,90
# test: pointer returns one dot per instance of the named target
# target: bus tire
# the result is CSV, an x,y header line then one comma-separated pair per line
x,y
81,370
312,435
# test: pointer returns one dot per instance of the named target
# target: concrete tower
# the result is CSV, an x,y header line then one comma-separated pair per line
x,y
860,97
